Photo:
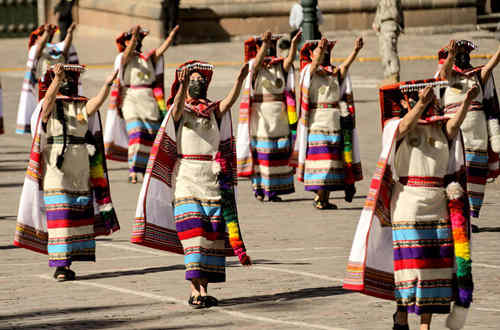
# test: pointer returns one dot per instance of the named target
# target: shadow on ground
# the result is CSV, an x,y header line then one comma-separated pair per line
x,y
129,272
287,296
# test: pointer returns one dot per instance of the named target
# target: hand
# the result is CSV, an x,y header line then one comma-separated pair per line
x,y
426,95
266,37
111,78
243,71
297,38
135,31
452,48
172,33
319,50
472,93
184,77
358,44
71,28
59,71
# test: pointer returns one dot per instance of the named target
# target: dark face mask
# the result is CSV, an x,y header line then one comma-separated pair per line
x,y
67,89
326,59
271,52
138,46
462,60
197,89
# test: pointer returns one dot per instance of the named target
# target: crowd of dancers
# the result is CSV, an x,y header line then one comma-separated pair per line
x,y
441,142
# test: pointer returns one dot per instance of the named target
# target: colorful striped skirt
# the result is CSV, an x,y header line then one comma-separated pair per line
x,y
70,224
198,220
423,249
272,174
324,165
142,116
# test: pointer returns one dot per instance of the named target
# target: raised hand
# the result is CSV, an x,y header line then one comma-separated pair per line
x,y
426,95
267,36
473,92
452,47
358,44
297,38
184,77
59,71
172,33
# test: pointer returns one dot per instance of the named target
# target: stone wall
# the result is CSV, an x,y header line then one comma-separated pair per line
x,y
208,20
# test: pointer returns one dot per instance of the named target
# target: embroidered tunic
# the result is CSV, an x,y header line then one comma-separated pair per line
x,y
421,228
270,133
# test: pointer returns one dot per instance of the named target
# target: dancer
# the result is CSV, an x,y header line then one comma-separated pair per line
x,y
187,200
327,142
41,55
137,105
417,211
268,120
481,129
65,202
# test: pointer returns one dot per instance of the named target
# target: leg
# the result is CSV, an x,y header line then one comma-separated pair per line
x,y
425,321
400,319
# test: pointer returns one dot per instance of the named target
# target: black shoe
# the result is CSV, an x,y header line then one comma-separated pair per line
x,y
398,326
475,228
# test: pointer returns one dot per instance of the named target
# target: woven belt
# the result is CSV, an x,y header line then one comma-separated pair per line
x,y
452,108
196,157
139,86
421,181
333,105
70,139
260,98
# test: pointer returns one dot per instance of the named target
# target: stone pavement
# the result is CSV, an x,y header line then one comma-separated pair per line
x,y
300,253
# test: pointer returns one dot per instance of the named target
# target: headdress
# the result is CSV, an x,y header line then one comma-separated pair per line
x,y
467,45
120,40
396,99
203,68
306,53
253,44
72,70
36,34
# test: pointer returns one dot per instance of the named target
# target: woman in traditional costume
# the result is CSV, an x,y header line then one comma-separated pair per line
x,y
187,202
42,54
65,201
137,106
327,142
417,211
481,129
268,120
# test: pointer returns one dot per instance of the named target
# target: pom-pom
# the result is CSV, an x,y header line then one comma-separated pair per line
x,y
454,191
91,149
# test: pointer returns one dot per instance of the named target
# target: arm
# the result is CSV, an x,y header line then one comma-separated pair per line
x,y
96,102
493,62
318,54
453,125
50,98
180,97
164,46
127,53
344,67
42,41
68,40
259,59
287,64
447,68
410,120
227,103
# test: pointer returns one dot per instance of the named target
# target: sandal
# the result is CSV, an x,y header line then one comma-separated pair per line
x,y
259,197
196,302
320,205
210,301
132,178
63,274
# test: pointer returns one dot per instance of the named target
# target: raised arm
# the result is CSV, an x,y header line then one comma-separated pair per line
x,y
318,54
68,40
164,46
410,120
180,97
488,68
287,63
344,67
227,103
42,41
447,68
96,102
453,125
259,59
127,53
50,97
